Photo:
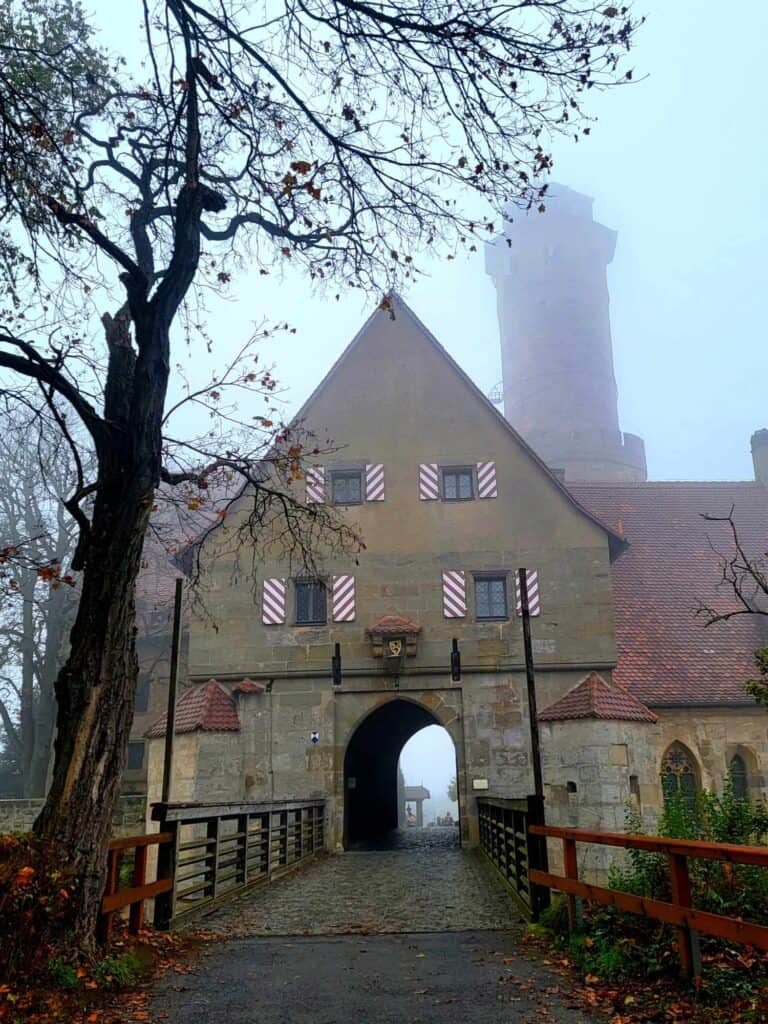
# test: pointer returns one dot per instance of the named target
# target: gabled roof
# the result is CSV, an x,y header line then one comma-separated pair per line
x,y
398,307
207,708
594,698
393,625
666,654
417,793
250,686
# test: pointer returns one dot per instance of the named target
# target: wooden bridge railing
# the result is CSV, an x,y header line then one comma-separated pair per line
x,y
216,850
512,849
116,898
680,913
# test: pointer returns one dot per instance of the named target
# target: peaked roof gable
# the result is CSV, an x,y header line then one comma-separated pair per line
x,y
207,708
398,307
594,698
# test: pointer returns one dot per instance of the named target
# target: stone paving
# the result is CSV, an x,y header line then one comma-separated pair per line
x,y
418,881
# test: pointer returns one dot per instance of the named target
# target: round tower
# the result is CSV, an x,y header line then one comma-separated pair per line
x,y
550,272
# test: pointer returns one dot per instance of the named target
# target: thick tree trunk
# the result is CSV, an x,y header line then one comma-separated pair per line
x,y
95,693
96,687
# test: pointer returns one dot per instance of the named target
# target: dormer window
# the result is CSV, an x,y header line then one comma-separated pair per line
x,y
347,487
458,484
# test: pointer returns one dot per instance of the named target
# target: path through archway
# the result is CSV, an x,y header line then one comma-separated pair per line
x,y
370,769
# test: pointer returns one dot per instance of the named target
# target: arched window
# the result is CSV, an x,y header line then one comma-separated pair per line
x,y
678,775
737,769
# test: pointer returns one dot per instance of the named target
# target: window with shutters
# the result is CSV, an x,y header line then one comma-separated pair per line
x,y
347,487
491,597
458,484
311,603
135,760
679,777
737,769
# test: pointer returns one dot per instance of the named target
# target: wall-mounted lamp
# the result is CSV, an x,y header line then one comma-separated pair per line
x,y
336,665
455,661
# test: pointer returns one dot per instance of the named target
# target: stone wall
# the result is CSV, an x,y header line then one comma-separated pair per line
x,y
19,815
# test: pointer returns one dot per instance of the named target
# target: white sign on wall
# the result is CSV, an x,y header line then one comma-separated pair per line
x,y
479,783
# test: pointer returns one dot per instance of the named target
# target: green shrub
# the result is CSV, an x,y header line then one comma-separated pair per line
x,y
555,916
62,975
117,971
616,945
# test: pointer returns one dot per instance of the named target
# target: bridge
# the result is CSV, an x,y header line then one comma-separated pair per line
x,y
410,926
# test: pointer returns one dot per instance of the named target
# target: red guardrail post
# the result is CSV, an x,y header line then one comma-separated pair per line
x,y
136,914
687,940
571,866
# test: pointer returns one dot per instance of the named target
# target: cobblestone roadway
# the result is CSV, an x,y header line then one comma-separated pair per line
x,y
420,882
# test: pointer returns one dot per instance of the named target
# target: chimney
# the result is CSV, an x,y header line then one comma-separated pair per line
x,y
760,456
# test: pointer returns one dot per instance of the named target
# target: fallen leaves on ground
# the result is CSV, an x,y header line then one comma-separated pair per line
x,y
92,1002
666,1000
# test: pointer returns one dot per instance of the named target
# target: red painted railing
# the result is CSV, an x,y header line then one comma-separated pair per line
x,y
133,897
680,912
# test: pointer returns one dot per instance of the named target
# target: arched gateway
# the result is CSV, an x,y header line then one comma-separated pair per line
x,y
371,762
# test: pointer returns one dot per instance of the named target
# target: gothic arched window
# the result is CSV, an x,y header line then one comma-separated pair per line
x,y
737,769
678,775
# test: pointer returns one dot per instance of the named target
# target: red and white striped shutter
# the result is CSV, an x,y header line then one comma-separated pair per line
x,y
486,480
454,594
429,481
343,598
374,482
316,485
534,598
273,601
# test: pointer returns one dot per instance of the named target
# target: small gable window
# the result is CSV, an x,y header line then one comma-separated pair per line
x,y
310,603
347,487
491,597
457,484
737,770
678,775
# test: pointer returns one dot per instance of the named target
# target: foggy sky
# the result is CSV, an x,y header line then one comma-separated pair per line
x,y
677,165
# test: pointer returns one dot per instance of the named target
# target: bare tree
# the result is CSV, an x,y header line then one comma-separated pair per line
x,y
745,576
344,136
39,601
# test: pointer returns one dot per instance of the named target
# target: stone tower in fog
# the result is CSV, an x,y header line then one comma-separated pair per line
x,y
557,359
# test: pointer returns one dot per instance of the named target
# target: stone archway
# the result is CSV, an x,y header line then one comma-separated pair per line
x,y
370,766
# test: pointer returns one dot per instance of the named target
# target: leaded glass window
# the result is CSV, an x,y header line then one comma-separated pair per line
x,y
347,487
678,775
491,597
457,484
738,772
310,603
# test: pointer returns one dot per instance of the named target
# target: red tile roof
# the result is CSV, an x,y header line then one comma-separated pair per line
x,y
207,708
249,686
666,654
594,698
393,624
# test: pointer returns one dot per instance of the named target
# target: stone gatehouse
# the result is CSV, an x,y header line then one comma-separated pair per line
x,y
634,693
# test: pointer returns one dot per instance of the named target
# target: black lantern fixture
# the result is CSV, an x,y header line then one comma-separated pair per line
x,y
336,665
455,661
